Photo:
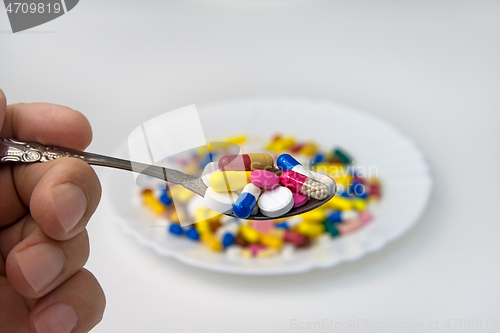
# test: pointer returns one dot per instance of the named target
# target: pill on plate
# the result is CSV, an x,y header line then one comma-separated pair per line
x,y
210,241
315,215
152,202
299,200
288,252
311,229
271,241
180,194
331,228
359,190
277,202
226,234
268,252
210,168
342,215
342,155
318,158
339,203
365,216
262,226
233,252
175,229
192,233
287,162
309,149
221,202
225,181
359,204
349,226
240,241
165,198
246,162
249,234
264,179
246,201
293,237
255,248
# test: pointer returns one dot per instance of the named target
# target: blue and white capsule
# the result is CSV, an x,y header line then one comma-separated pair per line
x,y
226,234
286,162
342,215
246,201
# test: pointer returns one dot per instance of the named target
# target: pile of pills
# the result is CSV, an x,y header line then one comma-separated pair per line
x,y
246,184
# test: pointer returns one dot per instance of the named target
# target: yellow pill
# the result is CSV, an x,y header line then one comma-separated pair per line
x,y
270,241
309,149
174,217
210,241
267,253
277,233
237,140
202,227
339,203
315,215
333,170
311,229
192,168
249,234
359,204
229,181
153,203
180,194
344,180
283,144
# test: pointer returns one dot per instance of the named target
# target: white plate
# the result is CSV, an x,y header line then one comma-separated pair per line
x,y
403,170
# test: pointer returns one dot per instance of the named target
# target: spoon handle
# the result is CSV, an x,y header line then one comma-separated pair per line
x,y
30,152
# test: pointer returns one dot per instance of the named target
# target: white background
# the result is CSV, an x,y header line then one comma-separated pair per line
x,y
431,68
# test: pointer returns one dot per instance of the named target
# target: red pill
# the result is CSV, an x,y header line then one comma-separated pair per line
x,y
293,237
374,190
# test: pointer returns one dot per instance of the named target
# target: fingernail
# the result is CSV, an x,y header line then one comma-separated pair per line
x,y
56,318
41,264
70,203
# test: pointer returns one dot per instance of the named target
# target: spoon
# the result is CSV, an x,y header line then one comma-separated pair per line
x,y
13,151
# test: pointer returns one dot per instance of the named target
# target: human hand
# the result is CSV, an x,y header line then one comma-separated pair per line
x,y
44,208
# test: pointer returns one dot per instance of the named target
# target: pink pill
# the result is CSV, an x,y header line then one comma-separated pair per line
x,y
365,216
254,248
263,226
349,226
264,179
299,199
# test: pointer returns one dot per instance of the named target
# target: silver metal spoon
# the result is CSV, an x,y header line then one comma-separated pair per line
x,y
13,151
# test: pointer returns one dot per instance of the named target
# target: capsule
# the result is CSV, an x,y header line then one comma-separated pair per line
x,y
359,190
229,181
175,229
287,162
342,215
227,234
342,155
246,162
298,183
246,201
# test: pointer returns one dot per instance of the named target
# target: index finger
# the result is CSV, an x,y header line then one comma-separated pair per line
x,y
48,124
